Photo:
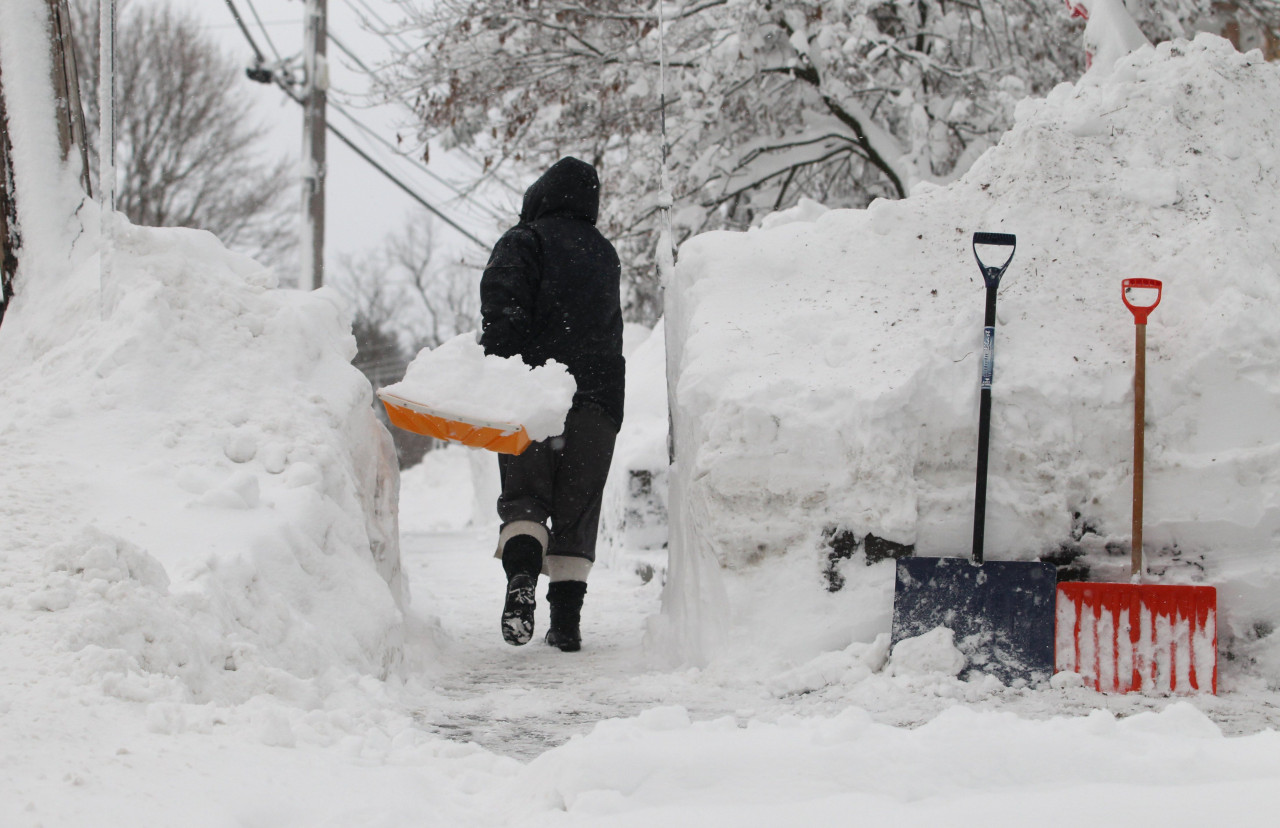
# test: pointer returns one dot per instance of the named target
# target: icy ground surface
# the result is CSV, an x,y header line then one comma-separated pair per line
x,y
523,701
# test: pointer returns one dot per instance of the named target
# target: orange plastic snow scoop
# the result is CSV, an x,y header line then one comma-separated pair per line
x,y
1136,636
504,438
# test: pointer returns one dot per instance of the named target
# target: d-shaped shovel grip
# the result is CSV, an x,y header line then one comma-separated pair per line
x,y
1140,312
991,273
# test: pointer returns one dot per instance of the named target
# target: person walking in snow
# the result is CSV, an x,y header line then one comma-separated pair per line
x,y
551,292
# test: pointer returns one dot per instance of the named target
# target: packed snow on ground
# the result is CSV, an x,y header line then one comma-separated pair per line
x,y
208,616
827,370
459,380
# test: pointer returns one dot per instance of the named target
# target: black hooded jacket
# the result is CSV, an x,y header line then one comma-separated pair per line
x,y
551,287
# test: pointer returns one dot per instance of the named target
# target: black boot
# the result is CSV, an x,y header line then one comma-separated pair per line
x,y
565,598
522,561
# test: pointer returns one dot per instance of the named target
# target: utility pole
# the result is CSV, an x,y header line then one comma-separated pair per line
x,y
316,66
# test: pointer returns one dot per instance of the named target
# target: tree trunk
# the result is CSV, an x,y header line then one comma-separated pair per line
x,y
9,242
71,138
66,85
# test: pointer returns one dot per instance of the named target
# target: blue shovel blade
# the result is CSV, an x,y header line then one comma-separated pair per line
x,y
1002,612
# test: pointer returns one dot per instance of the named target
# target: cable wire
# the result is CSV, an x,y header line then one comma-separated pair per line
x,y
387,31
257,53
377,78
280,82
404,187
366,13
351,55
270,44
417,165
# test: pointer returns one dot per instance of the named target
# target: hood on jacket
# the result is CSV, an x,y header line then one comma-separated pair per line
x,y
569,187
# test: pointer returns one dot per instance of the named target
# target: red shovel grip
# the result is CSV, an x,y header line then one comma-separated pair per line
x,y
1140,312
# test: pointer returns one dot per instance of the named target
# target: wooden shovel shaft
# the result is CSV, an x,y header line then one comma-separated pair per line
x,y
1139,446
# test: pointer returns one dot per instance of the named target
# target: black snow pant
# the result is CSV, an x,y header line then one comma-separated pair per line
x,y
560,481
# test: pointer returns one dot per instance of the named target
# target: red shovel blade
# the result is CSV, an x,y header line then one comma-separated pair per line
x,y
1138,637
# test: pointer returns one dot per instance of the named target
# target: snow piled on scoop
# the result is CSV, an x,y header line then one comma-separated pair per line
x,y
457,379
201,501
827,369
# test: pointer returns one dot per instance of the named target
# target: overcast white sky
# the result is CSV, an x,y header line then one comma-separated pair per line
x,y
362,205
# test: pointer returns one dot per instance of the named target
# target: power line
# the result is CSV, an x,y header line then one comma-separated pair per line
x,y
264,23
417,165
271,44
264,76
386,32
430,207
333,39
374,75
337,133
257,53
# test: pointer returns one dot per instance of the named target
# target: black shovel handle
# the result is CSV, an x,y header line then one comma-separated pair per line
x,y
991,275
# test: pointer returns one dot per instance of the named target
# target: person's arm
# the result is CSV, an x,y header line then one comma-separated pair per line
x,y
507,292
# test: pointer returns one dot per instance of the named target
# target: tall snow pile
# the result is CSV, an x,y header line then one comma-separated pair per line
x,y
828,367
201,503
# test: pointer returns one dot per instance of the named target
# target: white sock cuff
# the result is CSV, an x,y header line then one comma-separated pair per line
x,y
567,568
522,527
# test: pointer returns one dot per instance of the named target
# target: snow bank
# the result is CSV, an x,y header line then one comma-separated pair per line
x,y
459,380
201,501
827,370
962,768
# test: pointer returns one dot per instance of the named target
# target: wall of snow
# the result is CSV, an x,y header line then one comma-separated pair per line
x,y
203,503
827,367
199,503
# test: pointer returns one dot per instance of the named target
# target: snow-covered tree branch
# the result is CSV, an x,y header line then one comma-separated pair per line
x,y
841,101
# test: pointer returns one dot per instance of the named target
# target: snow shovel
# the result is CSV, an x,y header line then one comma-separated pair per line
x,y
1000,611
503,438
1136,636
